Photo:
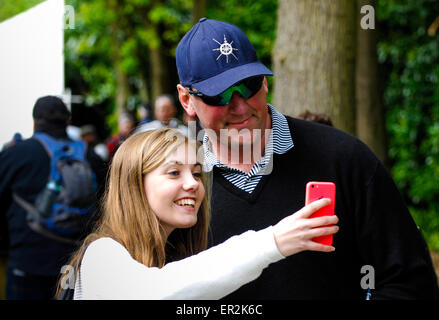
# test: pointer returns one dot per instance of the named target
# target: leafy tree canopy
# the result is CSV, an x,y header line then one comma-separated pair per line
x,y
410,60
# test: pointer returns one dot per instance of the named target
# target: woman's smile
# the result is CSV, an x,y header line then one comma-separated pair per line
x,y
174,190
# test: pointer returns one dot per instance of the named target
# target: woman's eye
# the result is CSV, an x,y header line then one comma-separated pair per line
x,y
197,175
174,173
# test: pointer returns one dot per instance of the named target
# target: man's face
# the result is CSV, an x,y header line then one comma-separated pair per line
x,y
165,111
126,127
239,118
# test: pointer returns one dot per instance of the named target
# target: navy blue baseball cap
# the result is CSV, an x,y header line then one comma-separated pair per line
x,y
214,55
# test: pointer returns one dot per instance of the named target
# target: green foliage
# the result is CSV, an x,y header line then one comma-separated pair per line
x,y
110,34
10,8
428,222
88,52
411,96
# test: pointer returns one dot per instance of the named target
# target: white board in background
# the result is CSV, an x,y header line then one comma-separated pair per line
x,y
31,64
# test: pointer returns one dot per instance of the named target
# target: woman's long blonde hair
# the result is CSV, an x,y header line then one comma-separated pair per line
x,y
126,215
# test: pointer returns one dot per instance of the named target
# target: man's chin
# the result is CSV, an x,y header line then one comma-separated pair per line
x,y
245,138
243,148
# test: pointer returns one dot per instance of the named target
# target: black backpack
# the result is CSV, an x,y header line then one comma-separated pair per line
x,y
63,208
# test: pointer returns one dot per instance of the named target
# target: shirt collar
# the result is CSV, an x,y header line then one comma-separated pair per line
x,y
279,142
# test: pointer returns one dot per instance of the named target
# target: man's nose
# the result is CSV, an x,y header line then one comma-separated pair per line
x,y
238,104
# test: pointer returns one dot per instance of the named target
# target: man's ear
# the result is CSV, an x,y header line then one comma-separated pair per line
x,y
185,100
265,85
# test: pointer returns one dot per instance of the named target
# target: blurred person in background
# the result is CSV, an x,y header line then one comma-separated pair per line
x,y
144,113
88,135
165,112
126,125
34,260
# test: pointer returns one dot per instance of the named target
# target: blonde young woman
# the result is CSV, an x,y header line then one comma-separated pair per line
x,y
156,207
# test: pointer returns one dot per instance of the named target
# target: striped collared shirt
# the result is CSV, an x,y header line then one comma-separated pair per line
x,y
279,142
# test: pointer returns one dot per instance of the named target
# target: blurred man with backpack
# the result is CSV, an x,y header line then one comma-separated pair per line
x,y
49,186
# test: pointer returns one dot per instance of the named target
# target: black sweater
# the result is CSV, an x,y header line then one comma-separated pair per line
x,y
376,228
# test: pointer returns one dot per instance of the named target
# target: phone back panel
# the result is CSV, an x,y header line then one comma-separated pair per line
x,y
316,190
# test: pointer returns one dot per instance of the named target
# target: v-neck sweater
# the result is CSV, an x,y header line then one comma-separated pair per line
x,y
376,228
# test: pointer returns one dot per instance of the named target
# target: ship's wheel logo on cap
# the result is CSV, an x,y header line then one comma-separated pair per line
x,y
225,49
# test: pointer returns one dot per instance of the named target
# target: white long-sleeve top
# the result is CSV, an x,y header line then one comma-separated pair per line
x,y
109,272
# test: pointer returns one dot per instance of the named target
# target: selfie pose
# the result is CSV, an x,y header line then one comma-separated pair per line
x,y
225,86
156,211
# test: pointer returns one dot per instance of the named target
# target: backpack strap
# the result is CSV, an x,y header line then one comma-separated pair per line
x,y
35,225
59,150
42,138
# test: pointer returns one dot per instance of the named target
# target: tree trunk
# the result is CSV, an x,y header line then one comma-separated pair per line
x,y
199,10
314,59
163,71
122,84
143,90
162,75
122,89
370,112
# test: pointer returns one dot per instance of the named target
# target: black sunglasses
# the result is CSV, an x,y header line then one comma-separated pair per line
x,y
247,88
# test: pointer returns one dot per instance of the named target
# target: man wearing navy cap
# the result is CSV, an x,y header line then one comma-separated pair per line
x,y
223,83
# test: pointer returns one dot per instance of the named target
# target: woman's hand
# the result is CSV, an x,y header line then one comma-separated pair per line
x,y
293,234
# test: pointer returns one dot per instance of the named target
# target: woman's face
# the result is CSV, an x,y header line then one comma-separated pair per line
x,y
174,190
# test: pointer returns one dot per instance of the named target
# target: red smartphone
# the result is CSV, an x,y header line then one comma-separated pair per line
x,y
316,190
